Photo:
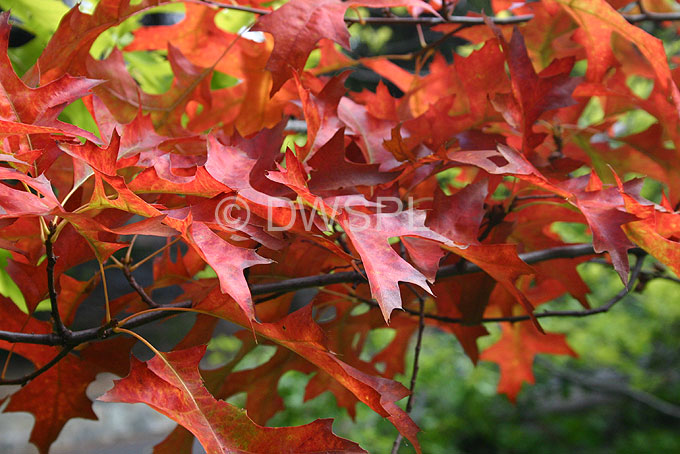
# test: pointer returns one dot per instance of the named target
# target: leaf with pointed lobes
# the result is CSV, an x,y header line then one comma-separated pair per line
x,y
606,215
645,232
500,261
40,106
101,159
597,22
173,386
69,47
121,94
402,148
537,93
299,24
299,333
370,233
515,352
58,395
228,261
332,170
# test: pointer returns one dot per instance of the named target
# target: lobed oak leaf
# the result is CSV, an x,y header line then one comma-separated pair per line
x,y
299,333
500,261
68,49
299,24
536,93
606,215
245,106
515,352
33,109
228,261
597,21
125,100
58,395
54,398
172,385
384,267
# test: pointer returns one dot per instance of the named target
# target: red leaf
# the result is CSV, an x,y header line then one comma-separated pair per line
x,y
228,261
58,395
36,107
299,333
384,267
173,386
515,353
299,24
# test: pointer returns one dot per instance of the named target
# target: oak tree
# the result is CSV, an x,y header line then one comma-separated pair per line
x,y
430,200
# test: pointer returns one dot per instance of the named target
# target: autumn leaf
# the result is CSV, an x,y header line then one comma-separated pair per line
x,y
515,352
384,267
299,24
172,385
35,110
228,261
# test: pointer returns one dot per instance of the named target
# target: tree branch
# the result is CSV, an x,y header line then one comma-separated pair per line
x,y
351,277
58,325
638,395
136,287
26,378
462,20
291,285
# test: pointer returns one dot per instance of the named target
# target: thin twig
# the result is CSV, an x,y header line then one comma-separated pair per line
x,y
138,288
25,379
416,358
466,20
612,387
57,323
153,254
291,285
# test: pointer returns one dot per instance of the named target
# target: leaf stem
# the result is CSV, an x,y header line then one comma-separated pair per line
x,y
153,254
416,358
107,306
57,323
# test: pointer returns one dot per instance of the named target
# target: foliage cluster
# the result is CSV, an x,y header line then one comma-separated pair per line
x,y
450,192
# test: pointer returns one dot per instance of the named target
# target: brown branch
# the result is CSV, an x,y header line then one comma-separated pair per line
x,y
635,274
462,20
136,287
351,277
291,285
26,378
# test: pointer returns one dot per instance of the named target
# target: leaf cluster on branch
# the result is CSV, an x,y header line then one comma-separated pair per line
x,y
434,200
